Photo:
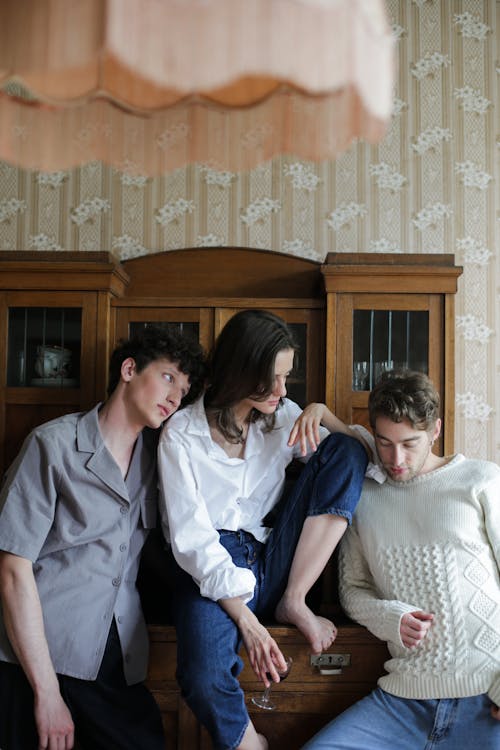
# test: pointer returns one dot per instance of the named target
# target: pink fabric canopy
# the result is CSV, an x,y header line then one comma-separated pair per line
x,y
150,85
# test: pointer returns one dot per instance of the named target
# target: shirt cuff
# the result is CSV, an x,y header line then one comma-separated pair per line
x,y
228,584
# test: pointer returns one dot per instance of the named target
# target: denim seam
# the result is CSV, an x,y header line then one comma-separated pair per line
x,y
332,512
238,743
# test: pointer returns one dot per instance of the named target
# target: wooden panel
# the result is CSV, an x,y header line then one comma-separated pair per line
x,y
166,313
372,272
21,419
224,272
448,392
51,271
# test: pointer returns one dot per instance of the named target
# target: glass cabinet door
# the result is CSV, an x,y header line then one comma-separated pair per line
x,y
387,340
195,322
378,332
48,367
44,346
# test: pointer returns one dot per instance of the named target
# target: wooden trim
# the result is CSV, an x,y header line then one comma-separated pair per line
x,y
239,302
448,392
50,271
390,259
224,272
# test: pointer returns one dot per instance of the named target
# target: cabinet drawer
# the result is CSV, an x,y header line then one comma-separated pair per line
x,y
355,659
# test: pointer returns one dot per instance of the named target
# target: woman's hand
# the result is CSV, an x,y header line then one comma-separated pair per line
x,y
306,429
263,652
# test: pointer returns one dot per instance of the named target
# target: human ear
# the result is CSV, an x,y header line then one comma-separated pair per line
x,y
128,369
436,431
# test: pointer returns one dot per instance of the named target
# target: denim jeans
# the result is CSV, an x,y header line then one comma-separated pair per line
x,y
208,640
382,721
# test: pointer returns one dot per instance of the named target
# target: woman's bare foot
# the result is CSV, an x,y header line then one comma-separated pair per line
x,y
319,631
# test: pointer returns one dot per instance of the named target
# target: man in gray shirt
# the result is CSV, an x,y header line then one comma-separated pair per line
x,y
75,511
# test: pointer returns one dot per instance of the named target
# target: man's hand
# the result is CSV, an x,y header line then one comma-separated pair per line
x,y
55,726
23,620
495,712
414,627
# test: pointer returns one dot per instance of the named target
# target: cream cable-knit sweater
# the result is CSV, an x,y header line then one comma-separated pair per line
x,y
431,544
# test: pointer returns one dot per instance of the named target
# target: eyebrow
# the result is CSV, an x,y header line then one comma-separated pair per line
x,y
405,440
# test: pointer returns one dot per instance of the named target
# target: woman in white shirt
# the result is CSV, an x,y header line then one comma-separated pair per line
x,y
222,464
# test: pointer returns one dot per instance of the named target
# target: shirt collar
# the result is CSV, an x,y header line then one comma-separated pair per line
x,y
197,424
88,434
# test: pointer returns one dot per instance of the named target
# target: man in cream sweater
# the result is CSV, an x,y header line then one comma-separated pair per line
x,y
420,569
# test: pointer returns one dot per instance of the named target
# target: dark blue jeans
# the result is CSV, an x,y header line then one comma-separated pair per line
x,y
208,640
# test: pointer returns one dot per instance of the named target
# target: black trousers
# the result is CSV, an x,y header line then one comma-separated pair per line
x,y
108,714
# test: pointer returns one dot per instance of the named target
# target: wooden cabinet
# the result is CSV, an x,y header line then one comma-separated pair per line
x,y
384,312
316,690
54,318
352,316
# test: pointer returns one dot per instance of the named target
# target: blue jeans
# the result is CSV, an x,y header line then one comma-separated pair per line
x,y
382,721
208,640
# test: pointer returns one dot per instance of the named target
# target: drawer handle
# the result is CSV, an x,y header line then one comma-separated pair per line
x,y
330,663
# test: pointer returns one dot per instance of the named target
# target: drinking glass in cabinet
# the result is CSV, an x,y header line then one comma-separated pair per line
x,y
360,379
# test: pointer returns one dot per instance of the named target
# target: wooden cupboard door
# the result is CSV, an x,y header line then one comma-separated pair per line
x,y
377,332
193,321
306,382
34,322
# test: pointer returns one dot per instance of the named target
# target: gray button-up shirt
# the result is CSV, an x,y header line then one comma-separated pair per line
x,y
66,507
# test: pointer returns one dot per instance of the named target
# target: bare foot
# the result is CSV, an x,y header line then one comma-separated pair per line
x,y
319,631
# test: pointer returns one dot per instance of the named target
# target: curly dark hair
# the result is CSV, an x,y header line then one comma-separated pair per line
x,y
405,394
155,342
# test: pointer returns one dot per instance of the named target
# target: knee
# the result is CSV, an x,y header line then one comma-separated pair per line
x,y
198,685
205,674
346,449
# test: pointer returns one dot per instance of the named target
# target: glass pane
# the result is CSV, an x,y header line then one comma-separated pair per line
x,y
44,346
188,329
386,340
296,384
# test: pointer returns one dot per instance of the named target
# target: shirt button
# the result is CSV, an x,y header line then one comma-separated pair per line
x,y
127,658
116,581
123,510
119,618
123,547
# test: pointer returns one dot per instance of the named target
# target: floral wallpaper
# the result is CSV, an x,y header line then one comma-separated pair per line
x,y
432,185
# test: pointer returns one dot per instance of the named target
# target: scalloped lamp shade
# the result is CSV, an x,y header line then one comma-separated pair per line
x,y
151,85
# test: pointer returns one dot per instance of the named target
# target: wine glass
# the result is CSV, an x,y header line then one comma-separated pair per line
x,y
264,701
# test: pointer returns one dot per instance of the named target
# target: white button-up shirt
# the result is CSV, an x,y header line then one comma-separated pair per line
x,y
203,490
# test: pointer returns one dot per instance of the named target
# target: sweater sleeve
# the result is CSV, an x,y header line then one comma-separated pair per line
x,y
490,500
359,595
195,541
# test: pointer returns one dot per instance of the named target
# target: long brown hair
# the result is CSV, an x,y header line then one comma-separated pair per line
x,y
241,365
